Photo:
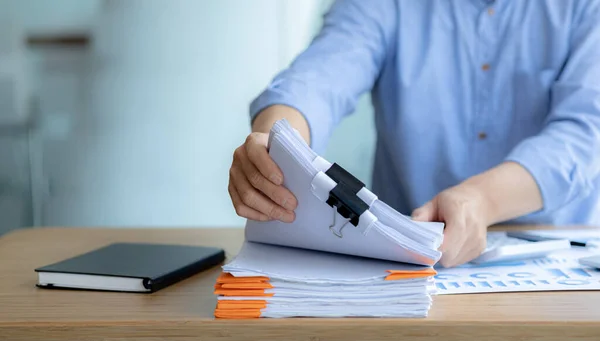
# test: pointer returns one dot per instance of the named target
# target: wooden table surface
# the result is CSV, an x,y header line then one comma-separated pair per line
x,y
184,311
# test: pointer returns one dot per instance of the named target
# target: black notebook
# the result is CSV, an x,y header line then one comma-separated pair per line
x,y
129,267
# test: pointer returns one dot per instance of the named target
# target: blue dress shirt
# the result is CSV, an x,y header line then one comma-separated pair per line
x,y
458,87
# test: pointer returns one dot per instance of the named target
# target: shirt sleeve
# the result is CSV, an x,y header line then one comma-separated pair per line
x,y
564,158
341,63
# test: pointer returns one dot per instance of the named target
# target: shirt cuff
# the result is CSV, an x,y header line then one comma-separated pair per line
x,y
555,176
314,110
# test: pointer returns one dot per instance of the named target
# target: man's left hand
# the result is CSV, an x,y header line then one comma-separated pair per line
x,y
463,209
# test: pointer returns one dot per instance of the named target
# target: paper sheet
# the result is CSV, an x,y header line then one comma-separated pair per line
x,y
310,230
559,271
305,266
274,281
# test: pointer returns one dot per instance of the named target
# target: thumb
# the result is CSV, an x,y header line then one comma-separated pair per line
x,y
426,212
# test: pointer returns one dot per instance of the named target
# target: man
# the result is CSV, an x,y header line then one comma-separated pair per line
x,y
486,112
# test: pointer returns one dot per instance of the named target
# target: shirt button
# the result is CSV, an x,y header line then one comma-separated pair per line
x,y
491,11
485,67
482,135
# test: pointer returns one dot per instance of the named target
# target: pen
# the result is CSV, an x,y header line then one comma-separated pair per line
x,y
593,244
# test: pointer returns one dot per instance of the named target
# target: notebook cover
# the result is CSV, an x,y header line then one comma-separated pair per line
x,y
159,265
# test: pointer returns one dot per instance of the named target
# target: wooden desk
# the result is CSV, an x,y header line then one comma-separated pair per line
x,y
184,311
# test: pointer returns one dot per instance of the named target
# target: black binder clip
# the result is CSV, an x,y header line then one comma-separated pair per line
x,y
343,197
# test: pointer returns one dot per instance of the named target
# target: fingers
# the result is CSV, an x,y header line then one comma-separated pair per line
x,y
256,149
241,209
426,212
465,230
252,198
278,194
455,236
256,183
464,240
455,233
473,249
474,245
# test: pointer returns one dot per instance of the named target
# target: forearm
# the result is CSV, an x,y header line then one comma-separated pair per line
x,y
509,191
266,118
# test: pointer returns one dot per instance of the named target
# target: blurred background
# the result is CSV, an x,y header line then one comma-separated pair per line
x,y
127,112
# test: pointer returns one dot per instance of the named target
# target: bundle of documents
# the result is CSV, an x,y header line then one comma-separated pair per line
x,y
347,253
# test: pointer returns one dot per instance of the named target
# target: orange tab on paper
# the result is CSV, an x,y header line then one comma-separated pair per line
x,y
260,285
242,292
243,286
237,313
409,274
245,304
229,278
229,285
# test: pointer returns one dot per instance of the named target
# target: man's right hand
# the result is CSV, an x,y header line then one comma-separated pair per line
x,y
255,183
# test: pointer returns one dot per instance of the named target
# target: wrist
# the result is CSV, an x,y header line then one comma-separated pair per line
x,y
264,120
506,191
488,208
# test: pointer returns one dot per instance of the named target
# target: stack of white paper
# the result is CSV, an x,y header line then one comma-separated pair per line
x,y
274,281
346,254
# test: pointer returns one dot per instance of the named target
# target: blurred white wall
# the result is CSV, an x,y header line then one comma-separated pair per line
x,y
140,131
15,192
43,16
168,99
